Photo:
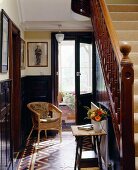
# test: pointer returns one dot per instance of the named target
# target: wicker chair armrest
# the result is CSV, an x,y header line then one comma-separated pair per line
x,y
29,107
56,110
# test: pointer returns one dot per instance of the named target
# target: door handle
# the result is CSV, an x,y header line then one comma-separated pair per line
x,y
78,74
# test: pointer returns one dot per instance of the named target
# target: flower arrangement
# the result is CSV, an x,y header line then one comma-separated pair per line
x,y
97,115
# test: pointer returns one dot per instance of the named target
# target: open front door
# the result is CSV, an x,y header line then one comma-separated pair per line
x,y
84,51
83,77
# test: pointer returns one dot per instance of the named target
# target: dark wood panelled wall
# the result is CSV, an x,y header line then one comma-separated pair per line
x,y
5,125
33,88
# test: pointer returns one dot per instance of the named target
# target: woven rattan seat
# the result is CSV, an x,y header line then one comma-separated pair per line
x,y
45,116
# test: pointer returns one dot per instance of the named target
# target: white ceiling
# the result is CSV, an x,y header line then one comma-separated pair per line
x,y
48,14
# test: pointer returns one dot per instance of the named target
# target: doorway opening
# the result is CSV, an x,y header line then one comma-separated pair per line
x,y
73,74
66,82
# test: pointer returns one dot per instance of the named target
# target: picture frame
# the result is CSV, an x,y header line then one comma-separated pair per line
x,y
37,54
4,42
22,54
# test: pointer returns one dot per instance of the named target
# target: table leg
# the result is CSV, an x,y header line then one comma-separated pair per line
x,y
78,152
94,144
98,139
76,156
80,147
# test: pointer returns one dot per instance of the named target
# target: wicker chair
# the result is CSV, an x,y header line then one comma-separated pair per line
x,y
45,116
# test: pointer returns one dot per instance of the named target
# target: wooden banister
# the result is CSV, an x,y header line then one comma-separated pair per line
x,y
111,30
109,62
118,76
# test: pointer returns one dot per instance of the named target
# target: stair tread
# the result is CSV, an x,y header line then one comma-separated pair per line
x,y
130,36
124,16
135,96
136,123
136,138
122,7
133,53
127,25
125,21
136,163
136,134
136,67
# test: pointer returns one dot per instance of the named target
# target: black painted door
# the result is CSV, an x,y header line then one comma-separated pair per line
x,y
83,77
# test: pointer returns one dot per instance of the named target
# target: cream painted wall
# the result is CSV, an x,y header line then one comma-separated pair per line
x,y
39,36
11,8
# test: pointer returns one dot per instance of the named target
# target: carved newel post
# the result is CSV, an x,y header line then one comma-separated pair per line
x,y
126,110
125,49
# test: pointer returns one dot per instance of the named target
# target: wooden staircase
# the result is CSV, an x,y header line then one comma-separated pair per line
x,y
118,70
125,21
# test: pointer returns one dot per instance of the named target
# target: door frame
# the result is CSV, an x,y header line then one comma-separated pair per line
x,y
54,61
15,76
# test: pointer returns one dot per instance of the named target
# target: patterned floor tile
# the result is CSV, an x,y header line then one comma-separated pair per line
x,y
51,154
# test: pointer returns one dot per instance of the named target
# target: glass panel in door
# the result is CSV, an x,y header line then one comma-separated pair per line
x,y
85,68
84,78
